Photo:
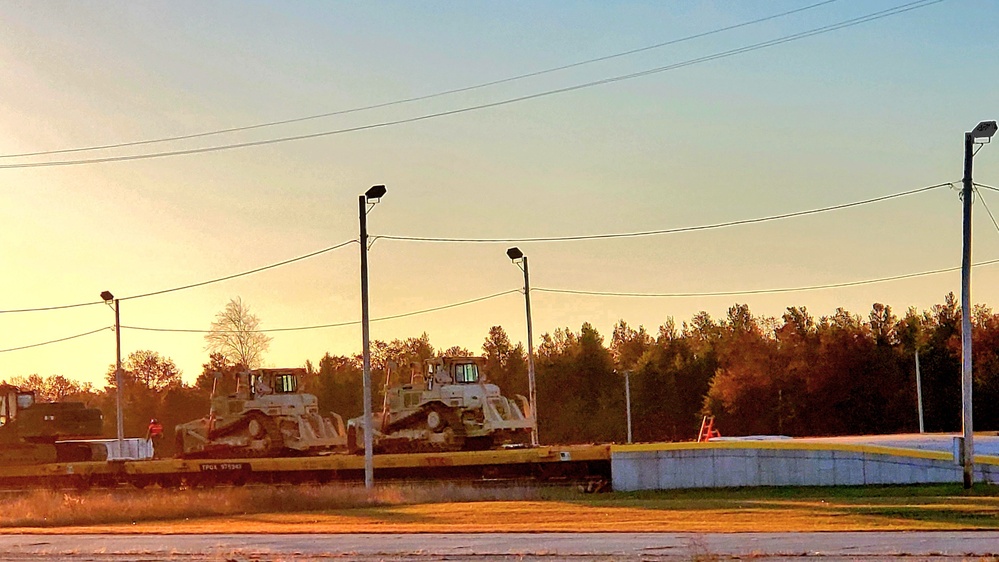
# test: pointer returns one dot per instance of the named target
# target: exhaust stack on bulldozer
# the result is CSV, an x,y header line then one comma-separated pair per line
x,y
449,407
267,416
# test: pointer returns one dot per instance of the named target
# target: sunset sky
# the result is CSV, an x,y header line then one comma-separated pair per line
x,y
847,115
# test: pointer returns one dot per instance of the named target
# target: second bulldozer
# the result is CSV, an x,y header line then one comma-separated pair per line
x,y
448,408
267,416
41,432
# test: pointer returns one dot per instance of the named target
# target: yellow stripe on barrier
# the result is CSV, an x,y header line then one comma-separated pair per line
x,y
799,446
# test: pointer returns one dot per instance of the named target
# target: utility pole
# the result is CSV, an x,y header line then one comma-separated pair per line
x,y
627,400
110,300
984,130
518,257
919,394
530,355
968,447
118,377
371,196
369,461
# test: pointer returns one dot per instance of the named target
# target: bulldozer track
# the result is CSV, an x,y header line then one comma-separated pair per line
x,y
274,447
450,420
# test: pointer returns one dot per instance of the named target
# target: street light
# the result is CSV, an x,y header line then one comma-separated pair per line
x,y
365,202
520,259
984,130
110,300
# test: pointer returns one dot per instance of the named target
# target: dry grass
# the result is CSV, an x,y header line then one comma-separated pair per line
x,y
46,508
452,508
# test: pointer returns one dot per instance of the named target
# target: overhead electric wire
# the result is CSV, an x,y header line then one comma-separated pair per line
x,y
336,325
902,8
56,341
45,308
250,272
418,98
989,211
192,285
986,186
509,240
665,230
758,291
480,299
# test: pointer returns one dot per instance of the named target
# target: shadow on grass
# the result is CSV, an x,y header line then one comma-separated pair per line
x,y
374,516
944,504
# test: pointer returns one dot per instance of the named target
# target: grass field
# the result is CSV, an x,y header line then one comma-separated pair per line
x,y
444,508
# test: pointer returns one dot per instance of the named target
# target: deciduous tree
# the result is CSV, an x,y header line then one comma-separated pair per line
x,y
235,334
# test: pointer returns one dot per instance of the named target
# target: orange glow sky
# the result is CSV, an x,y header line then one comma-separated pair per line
x,y
845,116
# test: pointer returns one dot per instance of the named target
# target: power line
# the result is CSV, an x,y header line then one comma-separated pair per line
x,y
758,291
724,54
987,210
666,230
196,331
191,286
508,240
544,290
250,272
418,98
987,186
46,308
511,291
57,341
336,325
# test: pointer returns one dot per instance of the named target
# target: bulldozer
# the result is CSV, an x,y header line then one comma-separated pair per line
x,y
266,416
447,407
33,432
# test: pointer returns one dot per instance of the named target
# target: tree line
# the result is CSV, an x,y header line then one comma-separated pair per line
x,y
796,375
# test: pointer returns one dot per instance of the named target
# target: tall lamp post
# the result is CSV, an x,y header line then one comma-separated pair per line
x,y
364,204
980,135
520,259
111,301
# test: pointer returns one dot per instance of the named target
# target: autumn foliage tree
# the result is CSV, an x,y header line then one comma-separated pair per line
x,y
55,388
146,376
799,375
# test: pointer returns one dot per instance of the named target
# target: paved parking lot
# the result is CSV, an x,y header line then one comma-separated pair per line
x,y
506,546
985,443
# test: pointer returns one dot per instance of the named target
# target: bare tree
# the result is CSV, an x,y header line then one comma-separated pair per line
x,y
235,334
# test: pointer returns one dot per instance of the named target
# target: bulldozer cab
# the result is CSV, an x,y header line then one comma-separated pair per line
x,y
453,370
264,382
12,401
267,381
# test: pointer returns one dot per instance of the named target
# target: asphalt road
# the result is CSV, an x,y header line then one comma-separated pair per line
x,y
549,547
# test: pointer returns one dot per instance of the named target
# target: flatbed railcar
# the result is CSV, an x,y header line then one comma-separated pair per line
x,y
588,465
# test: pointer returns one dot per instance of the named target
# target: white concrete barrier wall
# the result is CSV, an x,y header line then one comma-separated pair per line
x,y
721,465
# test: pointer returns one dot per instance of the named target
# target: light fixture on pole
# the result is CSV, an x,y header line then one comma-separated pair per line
x,y
520,259
980,135
111,301
365,202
